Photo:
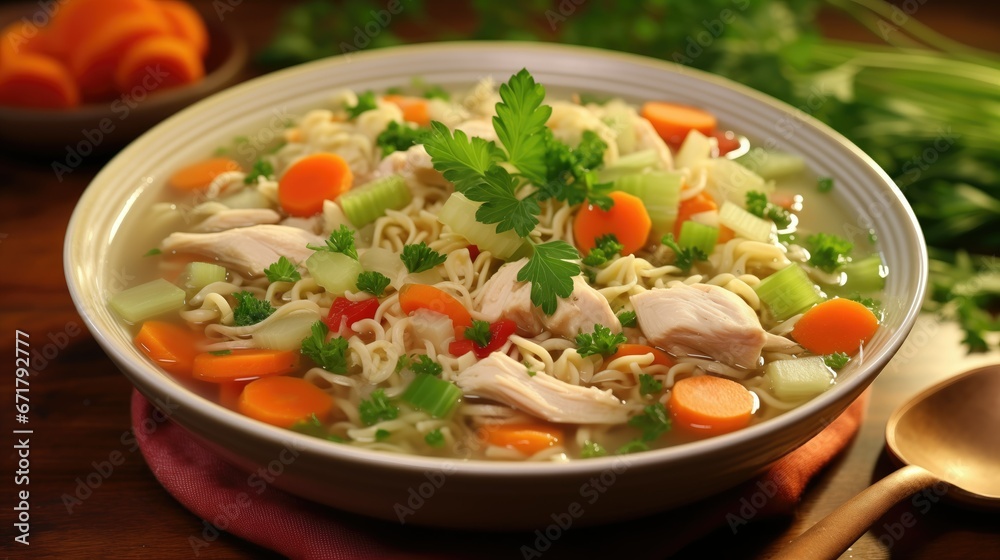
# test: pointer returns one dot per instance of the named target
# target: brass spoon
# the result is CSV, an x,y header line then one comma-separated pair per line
x,y
949,433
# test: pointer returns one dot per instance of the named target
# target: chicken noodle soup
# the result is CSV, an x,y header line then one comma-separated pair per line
x,y
504,275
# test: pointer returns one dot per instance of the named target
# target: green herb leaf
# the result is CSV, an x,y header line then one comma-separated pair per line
x,y
828,252
760,206
519,123
569,174
824,184
434,438
684,258
605,248
461,160
419,257
627,319
373,282
330,355
649,385
221,352
249,310
400,137
152,252
592,449
479,333
340,241
313,427
501,206
382,435
836,360
282,271
634,446
550,271
261,168
366,102
377,408
653,422
602,342
425,364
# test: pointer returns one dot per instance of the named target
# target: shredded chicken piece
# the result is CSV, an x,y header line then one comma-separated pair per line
x,y
237,218
249,250
501,378
504,296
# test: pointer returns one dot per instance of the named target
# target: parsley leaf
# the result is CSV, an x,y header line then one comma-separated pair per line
x,y
684,258
377,408
261,168
313,427
382,435
605,248
519,123
152,252
568,172
627,319
424,364
592,449
479,333
836,360
434,438
221,352
330,355
366,102
373,282
828,252
340,241
634,446
871,303
420,257
653,421
550,271
461,160
602,341
649,385
249,310
282,271
824,184
400,137
760,206
501,205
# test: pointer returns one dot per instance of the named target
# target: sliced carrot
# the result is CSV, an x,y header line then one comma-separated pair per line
x,y
229,393
837,325
660,357
200,175
701,202
628,220
171,346
709,405
310,181
37,81
158,63
94,62
243,364
673,121
283,401
415,109
526,438
186,24
421,296
79,22
23,38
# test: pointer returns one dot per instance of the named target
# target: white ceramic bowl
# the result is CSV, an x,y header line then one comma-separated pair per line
x,y
480,494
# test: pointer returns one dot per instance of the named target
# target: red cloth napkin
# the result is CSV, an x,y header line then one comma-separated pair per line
x,y
215,491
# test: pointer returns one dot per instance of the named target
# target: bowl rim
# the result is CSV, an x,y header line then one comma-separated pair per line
x,y
234,421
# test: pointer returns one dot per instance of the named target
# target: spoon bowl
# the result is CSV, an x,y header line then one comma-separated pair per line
x,y
949,433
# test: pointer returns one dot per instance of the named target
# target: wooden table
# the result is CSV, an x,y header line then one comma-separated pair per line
x,y
80,402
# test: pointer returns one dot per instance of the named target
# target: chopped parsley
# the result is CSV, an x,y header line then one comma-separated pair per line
x,y
420,257
627,319
828,252
313,427
434,438
760,206
479,333
836,360
824,184
282,271
569,172
366,102
400,137
377,408
249,310
634,446
424,364
649,385
261,168
605,248
435,91
550,271
653,422
382,435
340,241
592,449
684,259
871,303
373,282
602,341
221,352
330,355
152,252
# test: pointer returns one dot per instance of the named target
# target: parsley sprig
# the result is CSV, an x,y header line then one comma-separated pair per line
x,y
684,257
479,333
366,102
837,360
419,257
261,168
653,422
601,341
628,319
373,282
760,206
828,252
249,310
340,241
282,270
400,137
377,408
606,247
330,355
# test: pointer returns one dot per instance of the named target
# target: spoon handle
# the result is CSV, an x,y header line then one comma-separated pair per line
x,y
836,532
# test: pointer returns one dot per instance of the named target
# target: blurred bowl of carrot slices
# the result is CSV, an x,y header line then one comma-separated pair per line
x,y
86,76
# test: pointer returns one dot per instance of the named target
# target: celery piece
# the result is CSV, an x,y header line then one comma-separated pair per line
x,y
459,213
335,272
630,164
660,192
864,276
730,181
788,291
201,274
619,117
141,302
695,149
700,236
744,223
365,204
286,333
434,396
772,165
798,379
